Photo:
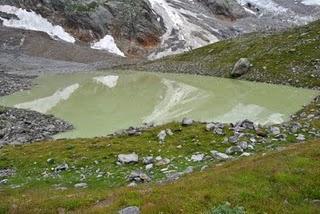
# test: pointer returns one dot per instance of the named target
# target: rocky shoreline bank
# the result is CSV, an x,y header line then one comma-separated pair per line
x,y
19,126
11,83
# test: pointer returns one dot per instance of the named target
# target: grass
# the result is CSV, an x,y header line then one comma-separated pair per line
x,y
290,57
279,182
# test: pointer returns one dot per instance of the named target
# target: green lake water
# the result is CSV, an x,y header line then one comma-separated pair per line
x,y
98,104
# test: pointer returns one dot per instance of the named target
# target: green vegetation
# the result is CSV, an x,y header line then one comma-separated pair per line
x,y
290,57
280,182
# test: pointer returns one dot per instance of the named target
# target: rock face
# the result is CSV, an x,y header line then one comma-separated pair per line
x,y
18,126
241,67
228,9
131,22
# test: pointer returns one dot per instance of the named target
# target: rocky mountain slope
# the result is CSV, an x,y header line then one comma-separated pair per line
x,y
290,57
156,28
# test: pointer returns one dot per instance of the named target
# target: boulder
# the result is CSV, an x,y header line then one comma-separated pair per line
x,y
128,158
197,157
81,185
219,155
234,150
187,122
61,168
241,67
130,210
139,177
162,136
275,130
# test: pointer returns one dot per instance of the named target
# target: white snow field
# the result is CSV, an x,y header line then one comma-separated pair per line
x,y
107,43
177,20
32,21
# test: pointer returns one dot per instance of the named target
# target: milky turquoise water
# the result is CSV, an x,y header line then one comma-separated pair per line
x,y
100,103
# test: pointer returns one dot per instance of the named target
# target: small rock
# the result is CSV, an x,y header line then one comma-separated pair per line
x,y
50,161
132,184
128,158
148,160
188,170
186,122
81,185
197,157
218,131
149,166
169,132
234,150
61,168
219,155
163,162
245,154
162,136
275,130
301,137
130,210
243,145
139,176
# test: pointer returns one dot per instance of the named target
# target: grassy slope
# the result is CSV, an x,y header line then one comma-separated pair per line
x,y
273,57
279,182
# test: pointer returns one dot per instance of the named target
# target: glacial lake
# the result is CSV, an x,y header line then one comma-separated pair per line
x,y
98,104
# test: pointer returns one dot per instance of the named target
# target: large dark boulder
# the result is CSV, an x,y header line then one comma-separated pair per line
x,y
241,67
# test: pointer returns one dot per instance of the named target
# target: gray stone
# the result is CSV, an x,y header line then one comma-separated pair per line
x,y
61,168
147,160
187,122
130,210
128,158
234,150
275,130
162,136
7,173
241,67
139,177
301,137
81,185
149,167
197,157
219,155
243,145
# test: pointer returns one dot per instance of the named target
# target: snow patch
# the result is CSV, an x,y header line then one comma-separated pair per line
x,y
110,80
32,21
311,2
107,43
176,21
43,105
171,105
